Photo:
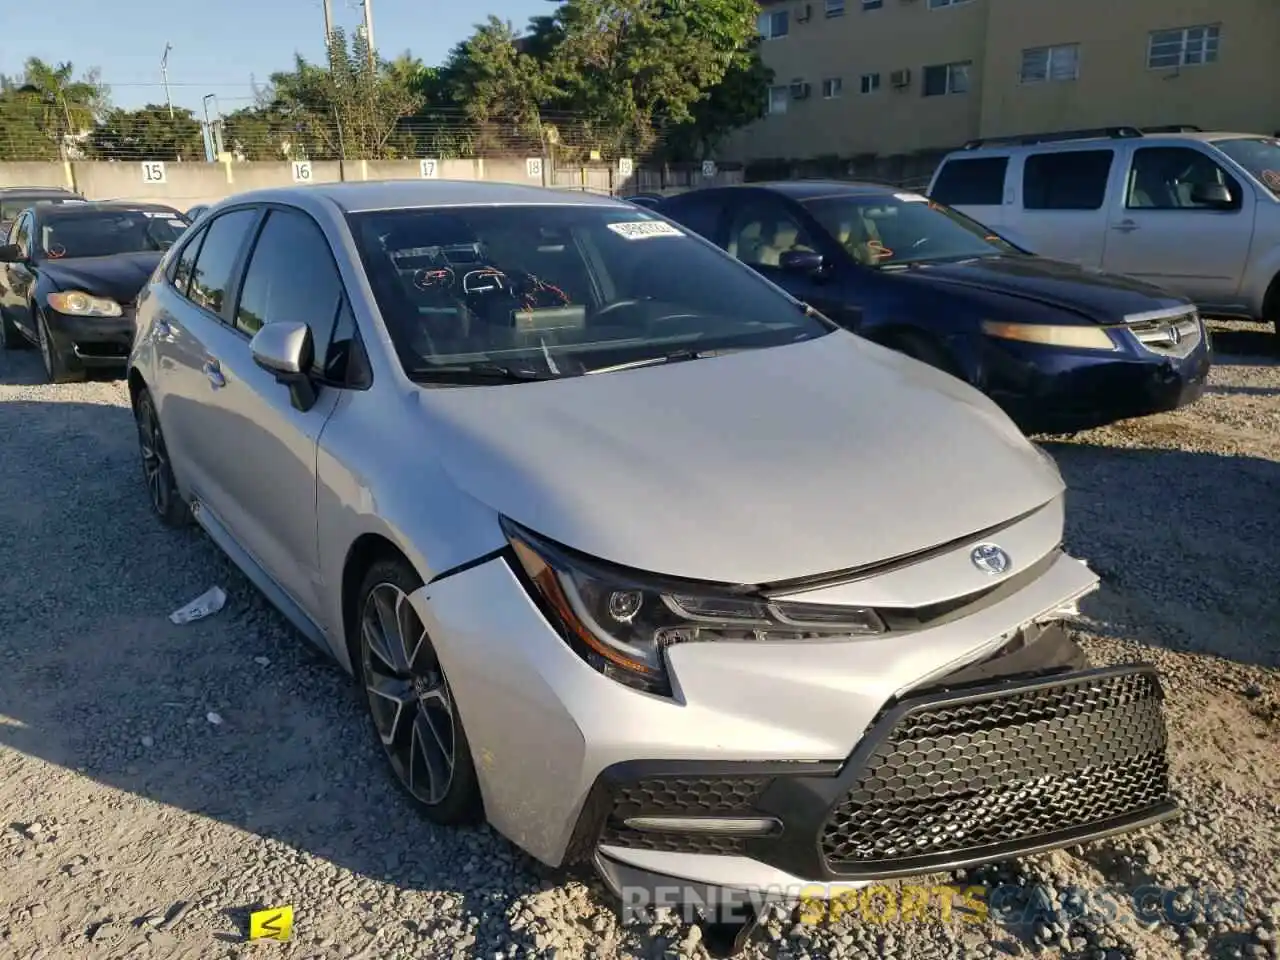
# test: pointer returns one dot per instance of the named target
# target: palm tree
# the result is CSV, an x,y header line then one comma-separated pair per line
x,y
68,106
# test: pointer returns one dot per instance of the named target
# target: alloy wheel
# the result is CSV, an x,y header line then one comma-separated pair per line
x,y
409,697
155,458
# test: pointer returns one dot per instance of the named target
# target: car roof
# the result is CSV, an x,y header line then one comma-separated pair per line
x,y
1044,146
103,206
9,192
363,197
811,189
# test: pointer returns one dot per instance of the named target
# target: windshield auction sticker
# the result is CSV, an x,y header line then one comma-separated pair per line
x,y
643,229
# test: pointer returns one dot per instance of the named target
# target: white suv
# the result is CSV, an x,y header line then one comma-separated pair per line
x,y
1196,212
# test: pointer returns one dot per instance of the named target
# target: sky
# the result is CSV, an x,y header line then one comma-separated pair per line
x,y
220,53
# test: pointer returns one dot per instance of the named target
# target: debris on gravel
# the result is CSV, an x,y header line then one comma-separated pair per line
x,y
139,823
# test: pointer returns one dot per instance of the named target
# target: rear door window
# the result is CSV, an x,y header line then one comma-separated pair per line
x,y
699,214
975,182
1066,180
224,241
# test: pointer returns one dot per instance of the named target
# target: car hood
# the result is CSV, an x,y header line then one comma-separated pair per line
x,y
120,277
748,468
1102,297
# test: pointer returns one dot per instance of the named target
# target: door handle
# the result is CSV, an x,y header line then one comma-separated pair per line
x,y
213,371
1125,226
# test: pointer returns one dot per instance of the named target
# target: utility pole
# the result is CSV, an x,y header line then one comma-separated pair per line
x,y
164,70
328,27
368,33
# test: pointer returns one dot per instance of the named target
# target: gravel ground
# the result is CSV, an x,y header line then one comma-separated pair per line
x,y
132,825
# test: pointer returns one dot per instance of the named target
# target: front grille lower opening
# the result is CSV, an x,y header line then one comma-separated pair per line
x,y
684,797
950,780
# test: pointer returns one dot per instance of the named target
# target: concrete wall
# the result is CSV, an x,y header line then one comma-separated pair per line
x,y
183,185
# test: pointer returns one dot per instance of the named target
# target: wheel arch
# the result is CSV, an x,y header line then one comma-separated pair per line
x,y
1271,302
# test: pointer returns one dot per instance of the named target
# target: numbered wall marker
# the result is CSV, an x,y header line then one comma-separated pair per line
x,y
153,171
430,169
708,168
533,168
626,167
302,171
273,924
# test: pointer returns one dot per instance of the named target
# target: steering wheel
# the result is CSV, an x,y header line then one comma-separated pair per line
x,y
56,251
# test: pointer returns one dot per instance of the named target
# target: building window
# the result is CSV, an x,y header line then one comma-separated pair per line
x,y
835,8
946,78
779,97
774,25
872,4
1186,47
939,4
1069,180
1044,64
832,87
870,82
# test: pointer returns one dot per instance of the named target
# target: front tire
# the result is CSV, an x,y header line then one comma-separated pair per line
x,y
56,367
157,468
410,702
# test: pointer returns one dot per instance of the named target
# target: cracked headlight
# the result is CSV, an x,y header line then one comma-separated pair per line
x,y
621,622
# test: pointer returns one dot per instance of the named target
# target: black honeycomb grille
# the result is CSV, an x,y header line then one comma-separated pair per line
x,y
682,797
946,781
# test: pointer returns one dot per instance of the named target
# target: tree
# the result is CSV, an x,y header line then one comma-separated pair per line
x,y
491,77
352,109
147,134
66,106
734,102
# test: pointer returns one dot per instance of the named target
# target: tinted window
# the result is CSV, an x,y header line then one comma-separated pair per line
x,y
1167,178
182,267
700,215
1075,180
976,182
344,359
560,290
223,241
763,229
291,277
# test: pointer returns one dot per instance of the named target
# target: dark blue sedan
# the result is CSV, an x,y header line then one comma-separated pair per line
x,y
1060,347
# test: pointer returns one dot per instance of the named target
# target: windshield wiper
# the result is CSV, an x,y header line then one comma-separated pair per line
x,y
478,373
675,356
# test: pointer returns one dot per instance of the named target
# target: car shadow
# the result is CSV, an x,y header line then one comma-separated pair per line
x,y
1214,517
1257,345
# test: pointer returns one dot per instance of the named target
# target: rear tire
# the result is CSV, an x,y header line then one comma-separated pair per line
x,y
11,337
56,367
411,705
157,468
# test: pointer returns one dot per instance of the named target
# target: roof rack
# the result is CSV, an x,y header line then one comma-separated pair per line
x,y
1026,139
1174,128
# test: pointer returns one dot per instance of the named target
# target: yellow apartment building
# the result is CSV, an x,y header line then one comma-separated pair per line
x,y
891,77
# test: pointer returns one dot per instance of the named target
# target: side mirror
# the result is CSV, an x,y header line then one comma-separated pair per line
x,y
801,261
286,351
11,253
1212,195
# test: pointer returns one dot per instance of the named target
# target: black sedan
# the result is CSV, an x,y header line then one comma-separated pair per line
x,y
13,200
1058,346
69,276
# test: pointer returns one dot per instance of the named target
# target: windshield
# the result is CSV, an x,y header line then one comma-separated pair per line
x,y
10,208
1259,155
107,234
881,230
562,290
